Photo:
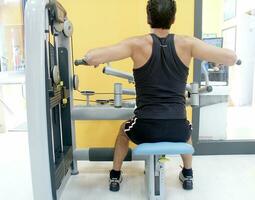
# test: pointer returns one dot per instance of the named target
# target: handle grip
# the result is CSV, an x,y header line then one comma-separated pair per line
x,y
80,62
238,62
206,89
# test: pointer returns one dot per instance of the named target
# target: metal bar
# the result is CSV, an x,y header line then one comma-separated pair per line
x,y
56,45
117,95
224,147
150,178
129,104
128,92
207,81
156,176
114,72
197,69
98,113
47,32
52,136
60,128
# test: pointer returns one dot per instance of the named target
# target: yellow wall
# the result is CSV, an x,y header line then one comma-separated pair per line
x,y
213,15
99,23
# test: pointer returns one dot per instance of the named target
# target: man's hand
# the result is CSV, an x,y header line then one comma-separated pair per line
x,y
86,60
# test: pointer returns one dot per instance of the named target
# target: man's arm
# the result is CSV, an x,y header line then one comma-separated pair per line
x,y
108,54
202,51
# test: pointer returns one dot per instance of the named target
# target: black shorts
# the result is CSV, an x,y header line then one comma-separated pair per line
x,y
158,130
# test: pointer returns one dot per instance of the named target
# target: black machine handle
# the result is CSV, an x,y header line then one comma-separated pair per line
x,y
80,62
239,62
206,89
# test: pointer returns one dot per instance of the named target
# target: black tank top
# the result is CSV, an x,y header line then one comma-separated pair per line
x,y
161,83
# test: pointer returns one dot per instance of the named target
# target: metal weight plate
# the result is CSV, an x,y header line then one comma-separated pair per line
x,y
76,82
55,75
68,28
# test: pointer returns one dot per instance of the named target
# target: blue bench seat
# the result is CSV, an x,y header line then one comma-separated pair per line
x,y
163,148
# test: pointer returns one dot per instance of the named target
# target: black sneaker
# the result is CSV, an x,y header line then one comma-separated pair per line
x,y
187,182
115,184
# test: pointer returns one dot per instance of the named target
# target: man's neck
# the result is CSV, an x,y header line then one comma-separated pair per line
x,y
160,32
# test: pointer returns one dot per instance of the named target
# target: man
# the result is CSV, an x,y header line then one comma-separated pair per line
x,y
161,68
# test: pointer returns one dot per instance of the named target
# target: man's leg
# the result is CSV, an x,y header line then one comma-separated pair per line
x,y
187,158
120,152
121,148
186,175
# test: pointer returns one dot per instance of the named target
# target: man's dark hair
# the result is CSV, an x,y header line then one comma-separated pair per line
x,y
161,13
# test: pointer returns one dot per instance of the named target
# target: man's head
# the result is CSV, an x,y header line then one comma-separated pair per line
x,y
161,13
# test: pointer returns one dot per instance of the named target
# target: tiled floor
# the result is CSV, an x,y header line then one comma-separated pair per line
x,y
216,177
15,175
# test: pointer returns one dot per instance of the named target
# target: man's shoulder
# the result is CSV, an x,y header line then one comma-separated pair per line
x,y
140,40
148,39
183,40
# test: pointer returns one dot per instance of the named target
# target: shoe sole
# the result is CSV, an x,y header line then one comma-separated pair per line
x,y
189,188
116,189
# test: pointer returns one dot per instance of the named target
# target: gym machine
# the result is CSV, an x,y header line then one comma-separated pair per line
x,y
50,82
49,93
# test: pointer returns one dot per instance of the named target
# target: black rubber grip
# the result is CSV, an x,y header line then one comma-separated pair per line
x,y
80,62
105,154
239,62
104,70
209,88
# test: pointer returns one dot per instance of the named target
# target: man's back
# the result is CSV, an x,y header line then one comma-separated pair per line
x,y
160,77
186,47
142,49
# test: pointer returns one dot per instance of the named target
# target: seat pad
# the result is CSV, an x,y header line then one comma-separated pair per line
x,y
163,148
